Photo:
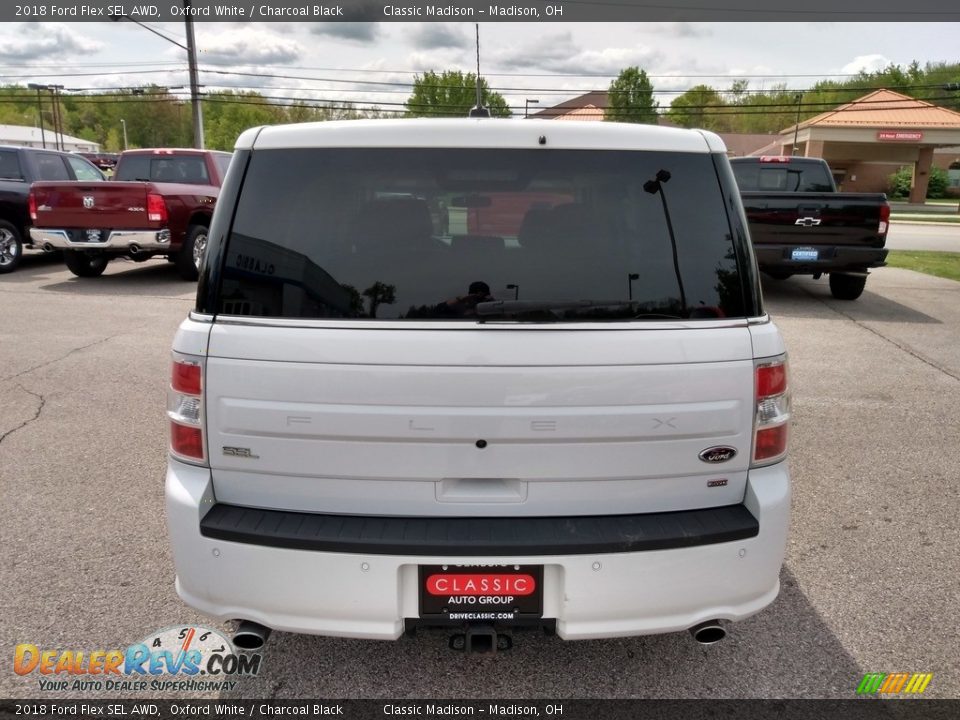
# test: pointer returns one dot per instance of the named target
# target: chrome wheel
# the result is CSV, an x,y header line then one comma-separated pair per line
x,y
199,248
9,247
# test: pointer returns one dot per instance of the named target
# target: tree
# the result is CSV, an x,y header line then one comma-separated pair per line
x,y
631,98
451,94
699,107
228,113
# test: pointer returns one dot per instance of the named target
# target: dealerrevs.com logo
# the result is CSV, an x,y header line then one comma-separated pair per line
x,y
894,683
180,658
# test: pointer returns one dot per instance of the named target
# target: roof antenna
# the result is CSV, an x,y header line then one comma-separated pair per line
x,y
478,110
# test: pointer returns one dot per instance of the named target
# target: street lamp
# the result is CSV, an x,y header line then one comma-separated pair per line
x,y
796,128
191,49
526,107
43,133
124,124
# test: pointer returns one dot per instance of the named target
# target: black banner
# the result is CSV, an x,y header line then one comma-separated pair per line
x,y
862,709
482,10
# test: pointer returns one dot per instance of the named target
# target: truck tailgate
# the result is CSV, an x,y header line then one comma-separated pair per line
x,y
815,218
113,205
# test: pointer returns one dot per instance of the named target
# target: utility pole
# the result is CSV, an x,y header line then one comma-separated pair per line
x,y
526,106
43,133
57,119
124,124
194,80
190,47
796,128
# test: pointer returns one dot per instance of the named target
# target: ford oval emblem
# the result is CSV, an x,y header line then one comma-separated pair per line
x,y
718,454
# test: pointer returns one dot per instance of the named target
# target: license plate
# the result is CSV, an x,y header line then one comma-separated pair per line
x,y
804,254
89,236
481,593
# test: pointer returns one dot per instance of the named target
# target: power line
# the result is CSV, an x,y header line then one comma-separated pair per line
x,y
511,92
499,89
400,109
681,75
787,106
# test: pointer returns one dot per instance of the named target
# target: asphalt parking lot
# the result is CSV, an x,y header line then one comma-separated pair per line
x,y
869,585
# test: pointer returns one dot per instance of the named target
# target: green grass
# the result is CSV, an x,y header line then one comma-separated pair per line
x,y
942,201
928,217
941,264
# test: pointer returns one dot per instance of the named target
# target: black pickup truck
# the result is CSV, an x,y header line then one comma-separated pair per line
x,y
19,167
801,225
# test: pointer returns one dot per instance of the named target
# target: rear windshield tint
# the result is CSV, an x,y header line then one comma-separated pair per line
x,y
446,234
186,169
782,177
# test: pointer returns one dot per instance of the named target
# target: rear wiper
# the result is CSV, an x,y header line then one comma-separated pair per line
x,y
495,307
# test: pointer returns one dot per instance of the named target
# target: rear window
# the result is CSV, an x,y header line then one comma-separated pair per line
x,y
84,170
491,235
782,177
187,169
223,162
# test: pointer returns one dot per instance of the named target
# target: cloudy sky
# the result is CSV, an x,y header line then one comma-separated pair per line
x,y
375,62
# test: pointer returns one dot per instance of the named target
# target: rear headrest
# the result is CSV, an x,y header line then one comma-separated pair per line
x,y
167,172
535,229
398,224
575,222
567,226
193,173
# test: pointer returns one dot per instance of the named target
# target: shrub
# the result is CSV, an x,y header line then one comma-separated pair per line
x,y
938,183
900,183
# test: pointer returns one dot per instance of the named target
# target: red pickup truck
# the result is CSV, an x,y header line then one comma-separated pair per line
x,y
159,203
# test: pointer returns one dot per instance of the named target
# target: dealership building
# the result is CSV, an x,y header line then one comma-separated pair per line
x,y
864,141
867,140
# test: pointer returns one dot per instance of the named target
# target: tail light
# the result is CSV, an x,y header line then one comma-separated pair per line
x,y
156,208
772,419
884,219
32,206
185,410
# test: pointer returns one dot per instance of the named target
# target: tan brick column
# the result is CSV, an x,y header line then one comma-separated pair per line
x,y
921,176
814,148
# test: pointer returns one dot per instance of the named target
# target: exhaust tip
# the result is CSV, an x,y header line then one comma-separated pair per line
x,y
250,635
47,247
134,249
708,633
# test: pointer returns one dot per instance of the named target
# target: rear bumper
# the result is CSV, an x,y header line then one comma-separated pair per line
x,y
478,537
115,240
600,592
831,258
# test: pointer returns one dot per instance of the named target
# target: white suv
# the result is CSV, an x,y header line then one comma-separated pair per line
x,y
478,373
